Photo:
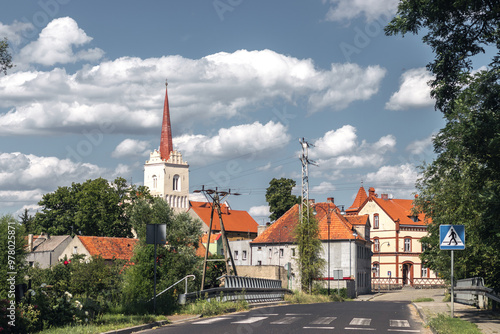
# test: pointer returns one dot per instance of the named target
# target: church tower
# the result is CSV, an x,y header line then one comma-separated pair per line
x,y
165,173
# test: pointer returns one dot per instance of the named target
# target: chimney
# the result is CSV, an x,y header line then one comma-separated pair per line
x,y
371,192
30,242
330,200
385,197
311,201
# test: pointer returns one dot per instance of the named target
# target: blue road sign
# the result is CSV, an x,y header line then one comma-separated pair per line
x,y
452,237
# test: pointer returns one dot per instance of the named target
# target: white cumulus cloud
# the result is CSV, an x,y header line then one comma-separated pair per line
x,y
252,140
341,10
414,92
132,148
398,180
56,44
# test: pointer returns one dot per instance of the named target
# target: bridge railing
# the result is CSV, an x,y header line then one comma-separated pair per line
x,y
471,291
253,290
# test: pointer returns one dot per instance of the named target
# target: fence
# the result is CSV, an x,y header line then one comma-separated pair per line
x,y
253,290
394,283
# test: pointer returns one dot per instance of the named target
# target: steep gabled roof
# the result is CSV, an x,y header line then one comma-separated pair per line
x,y
400,209
44,243
358,201
282,230
234,220
109,248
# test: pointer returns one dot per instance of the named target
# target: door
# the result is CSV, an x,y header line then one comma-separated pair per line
x,y
407,274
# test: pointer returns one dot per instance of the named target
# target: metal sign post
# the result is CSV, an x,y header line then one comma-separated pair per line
x,y
156,234
452,237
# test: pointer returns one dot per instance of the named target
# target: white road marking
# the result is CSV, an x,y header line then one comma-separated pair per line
x,y
404,330
298,314
323,321
399,323
360,328
250,320
318,327
208,321
284,321
360,322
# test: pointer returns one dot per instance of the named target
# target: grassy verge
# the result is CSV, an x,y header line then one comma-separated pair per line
x,y
214,307
299,297
424,299
106,323
444,324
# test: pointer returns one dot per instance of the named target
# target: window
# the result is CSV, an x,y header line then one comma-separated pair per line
x,y
270,253
244,255
293,251
407,244
236,255
155,182
376,245
75,250
375,221
282,252
425,272
176,185
259,249
259,263
376,270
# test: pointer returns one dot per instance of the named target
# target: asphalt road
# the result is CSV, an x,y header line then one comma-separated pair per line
x,y
347,317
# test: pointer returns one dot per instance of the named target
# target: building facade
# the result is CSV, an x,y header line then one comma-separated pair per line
x,y
395,233
345,247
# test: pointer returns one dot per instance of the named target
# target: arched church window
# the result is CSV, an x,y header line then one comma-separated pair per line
x,y
155,182
176,183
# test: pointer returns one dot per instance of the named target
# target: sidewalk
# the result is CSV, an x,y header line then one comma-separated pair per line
x,y
487,321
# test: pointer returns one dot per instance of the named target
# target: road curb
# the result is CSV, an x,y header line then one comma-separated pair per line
x,y
423,317
139,328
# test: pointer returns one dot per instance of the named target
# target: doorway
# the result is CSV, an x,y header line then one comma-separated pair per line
x,y
408,274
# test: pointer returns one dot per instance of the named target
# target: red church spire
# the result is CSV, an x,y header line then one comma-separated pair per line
x,y
166,130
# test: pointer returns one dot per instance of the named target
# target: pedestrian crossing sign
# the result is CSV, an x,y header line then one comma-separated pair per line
x,y
452,237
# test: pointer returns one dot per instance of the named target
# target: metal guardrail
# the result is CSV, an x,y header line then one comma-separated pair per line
x,y
253,290
467,291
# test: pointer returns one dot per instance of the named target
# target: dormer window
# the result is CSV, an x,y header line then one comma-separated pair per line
x,y
414,218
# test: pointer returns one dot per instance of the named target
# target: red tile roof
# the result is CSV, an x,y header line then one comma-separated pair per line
x,y
109,248
400,209
234,220
213,237
358,201
282,230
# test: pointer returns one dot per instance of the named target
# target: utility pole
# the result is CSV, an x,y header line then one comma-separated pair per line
x,y
216,197
304,159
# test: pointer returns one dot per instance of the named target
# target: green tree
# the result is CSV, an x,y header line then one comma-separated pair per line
x,y
175,260
309,246
462,185
279,197
13,254
95,207
5,57
28,221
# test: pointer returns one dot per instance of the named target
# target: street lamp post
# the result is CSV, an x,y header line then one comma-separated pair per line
x,y
379,266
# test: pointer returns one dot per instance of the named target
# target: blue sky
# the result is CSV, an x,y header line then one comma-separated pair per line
x,y
247,80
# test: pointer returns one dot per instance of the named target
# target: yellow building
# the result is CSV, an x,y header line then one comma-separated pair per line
x,y
395,234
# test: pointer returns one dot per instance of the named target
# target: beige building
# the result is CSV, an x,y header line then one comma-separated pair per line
x,y
395,234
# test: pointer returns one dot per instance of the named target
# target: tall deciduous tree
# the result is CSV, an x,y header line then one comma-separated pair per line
x,y
95,207
279,197
462,185
5,57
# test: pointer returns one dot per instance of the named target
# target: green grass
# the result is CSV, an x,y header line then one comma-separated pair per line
x,y
214,307
106,323
423,299
299,297
444,324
